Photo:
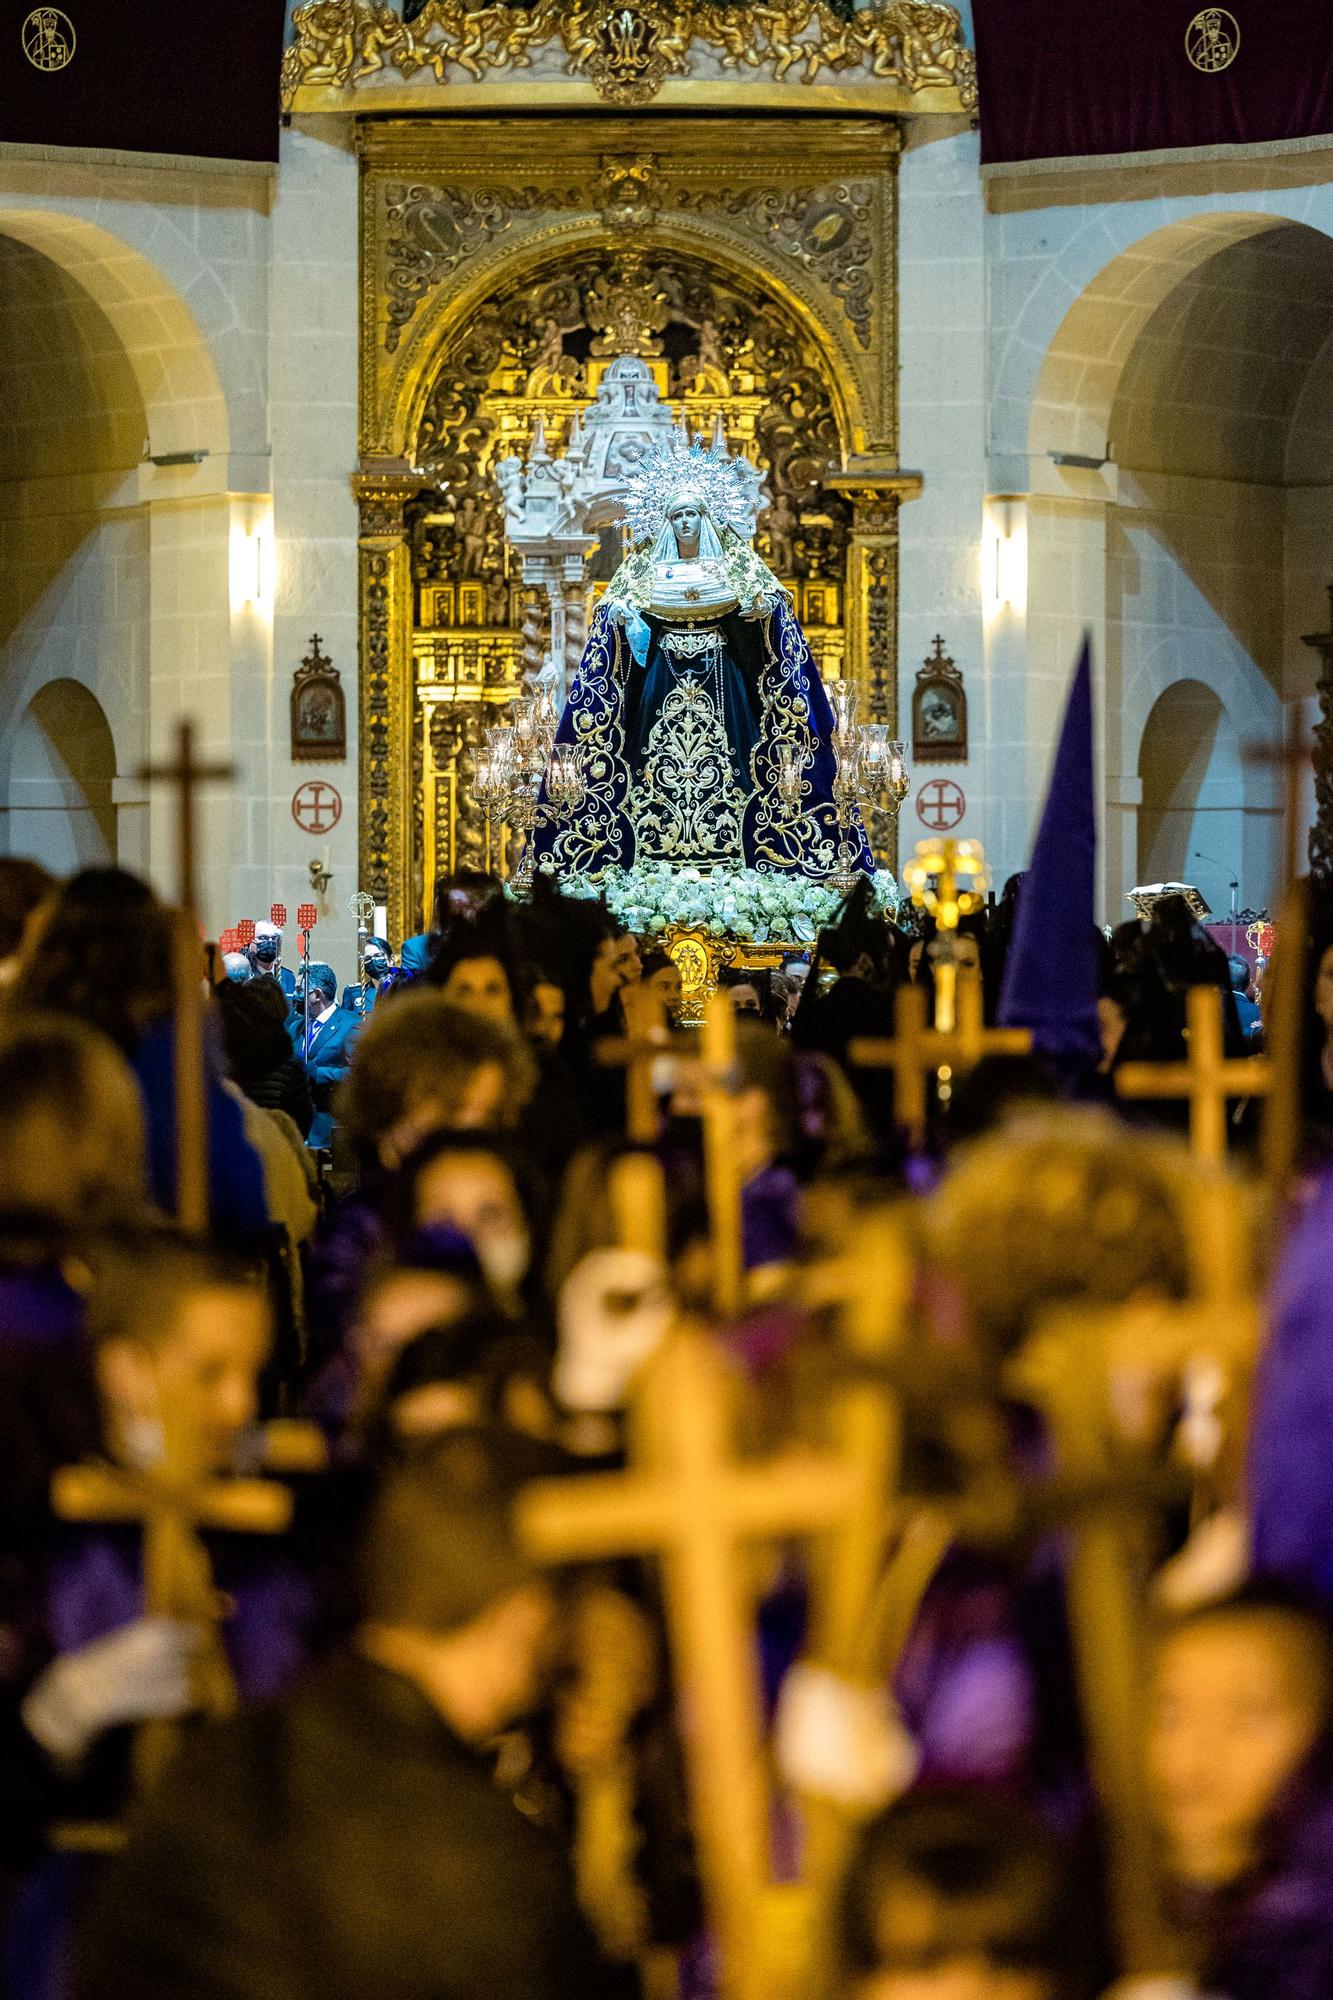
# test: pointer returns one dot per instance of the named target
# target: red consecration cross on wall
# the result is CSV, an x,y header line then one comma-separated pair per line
x,y
940,805
317,807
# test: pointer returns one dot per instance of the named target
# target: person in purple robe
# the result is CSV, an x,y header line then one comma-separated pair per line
x,y
1290,1466
165,1320
1238,1738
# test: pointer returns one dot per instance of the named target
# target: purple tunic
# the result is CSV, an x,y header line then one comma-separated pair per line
x,y
1291,1466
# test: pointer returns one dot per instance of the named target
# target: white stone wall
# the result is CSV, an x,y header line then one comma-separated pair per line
x,y
316,317
145,286
942,337
1173,314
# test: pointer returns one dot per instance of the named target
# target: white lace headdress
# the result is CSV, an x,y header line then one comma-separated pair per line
x,y
678,469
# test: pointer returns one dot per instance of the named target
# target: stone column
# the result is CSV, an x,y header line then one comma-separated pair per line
x,y
190,671
386,692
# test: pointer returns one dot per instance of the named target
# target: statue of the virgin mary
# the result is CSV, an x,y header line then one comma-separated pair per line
x,y
704,734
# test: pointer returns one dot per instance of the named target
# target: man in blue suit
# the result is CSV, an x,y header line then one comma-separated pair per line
x,y
378,961
327,1049
266,957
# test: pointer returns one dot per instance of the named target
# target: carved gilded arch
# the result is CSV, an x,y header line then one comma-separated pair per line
x,y
805,210
567,244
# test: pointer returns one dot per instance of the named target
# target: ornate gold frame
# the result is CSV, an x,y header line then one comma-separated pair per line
x,y
748,197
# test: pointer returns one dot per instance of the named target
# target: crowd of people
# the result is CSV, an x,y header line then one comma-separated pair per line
x,y
386,1715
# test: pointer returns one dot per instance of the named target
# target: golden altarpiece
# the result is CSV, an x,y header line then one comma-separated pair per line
x,y
712,189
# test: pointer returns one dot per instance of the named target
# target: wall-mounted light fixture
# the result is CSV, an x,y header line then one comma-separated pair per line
x,y
1004,556
252,565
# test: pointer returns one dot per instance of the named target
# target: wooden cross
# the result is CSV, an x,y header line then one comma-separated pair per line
x,y
714,1051
848,1565
605,1835
636,1186
689,1501
174,1500
187,775
918,1052
646,1040
722,1165
1067,1370
1206,1078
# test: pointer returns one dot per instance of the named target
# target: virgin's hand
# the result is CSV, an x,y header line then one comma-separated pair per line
x,y
761,608
617,611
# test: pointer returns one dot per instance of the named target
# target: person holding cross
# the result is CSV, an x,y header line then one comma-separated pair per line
x,y
393,1858
178,1339
1097,1215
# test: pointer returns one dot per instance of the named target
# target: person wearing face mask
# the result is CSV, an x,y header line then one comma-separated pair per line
x,y
377,959
467,1182
265,956
170,1326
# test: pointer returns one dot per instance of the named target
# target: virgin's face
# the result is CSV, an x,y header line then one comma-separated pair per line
x,y
687,522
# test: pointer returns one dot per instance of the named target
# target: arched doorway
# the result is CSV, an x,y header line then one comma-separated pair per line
x,y
532,355
74,573
104,370
1195,370
1191,820
60,807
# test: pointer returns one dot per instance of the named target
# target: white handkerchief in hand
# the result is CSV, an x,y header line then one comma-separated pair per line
x,y
841,1742
614,1311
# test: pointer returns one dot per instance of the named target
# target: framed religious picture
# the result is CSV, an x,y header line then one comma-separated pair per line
x,y
319,710
939,711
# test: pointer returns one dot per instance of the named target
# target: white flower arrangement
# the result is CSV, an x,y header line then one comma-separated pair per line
x,y
653,898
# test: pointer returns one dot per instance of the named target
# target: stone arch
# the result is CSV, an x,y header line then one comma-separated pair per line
x,y
1193,791
170,358
1082,367
60,798
73,531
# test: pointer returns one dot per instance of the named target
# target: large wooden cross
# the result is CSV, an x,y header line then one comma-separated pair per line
x,y
690,1501
723,1172
174,1500
187,775
1068,1370
1206,1079
713,1056
918,1052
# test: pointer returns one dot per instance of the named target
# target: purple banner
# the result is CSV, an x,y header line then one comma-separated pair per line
x,y
1071,78
155,76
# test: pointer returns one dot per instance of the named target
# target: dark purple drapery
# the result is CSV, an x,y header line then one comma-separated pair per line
x,y
197,77
1069,78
